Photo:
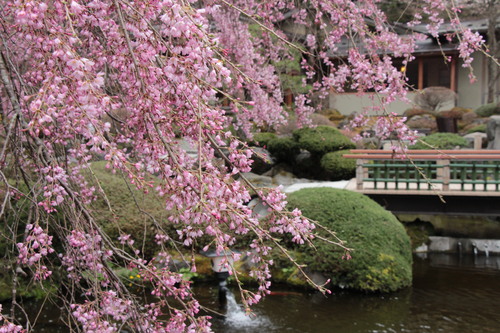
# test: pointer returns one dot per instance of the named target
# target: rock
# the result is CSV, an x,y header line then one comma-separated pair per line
x,y
189,148
422,249
284,178
262,160
259,209
302,156
493,132
259,180
473,137
306,165
317,278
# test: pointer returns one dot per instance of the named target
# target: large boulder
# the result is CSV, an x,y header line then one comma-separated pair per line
x,y
493,132
262,160
381,257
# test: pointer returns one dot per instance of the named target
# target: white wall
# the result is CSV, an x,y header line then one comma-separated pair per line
x,y
472,95
348,103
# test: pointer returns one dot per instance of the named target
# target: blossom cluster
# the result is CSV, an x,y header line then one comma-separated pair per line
x,y
133,83
110,306
36,246
7,326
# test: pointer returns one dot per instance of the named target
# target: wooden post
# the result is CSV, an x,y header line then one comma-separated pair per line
x,y
444,175
360,172
478,141
453,73
420,73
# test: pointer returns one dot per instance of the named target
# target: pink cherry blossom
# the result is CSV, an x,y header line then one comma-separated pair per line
x,y
152,87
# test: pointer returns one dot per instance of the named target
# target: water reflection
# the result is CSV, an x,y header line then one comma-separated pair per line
x,y
474,262
450,293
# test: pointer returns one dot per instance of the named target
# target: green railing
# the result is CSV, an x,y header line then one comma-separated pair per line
x,y
428,170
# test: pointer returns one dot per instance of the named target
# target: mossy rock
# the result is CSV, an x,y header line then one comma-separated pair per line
x,y
487,110
132,210
440,141
419,233
262,139
410,113
322,139
478,128
337,166
332,114
461,109
284,149
381,258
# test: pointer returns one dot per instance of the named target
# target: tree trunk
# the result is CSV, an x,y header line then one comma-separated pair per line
x,y
493,73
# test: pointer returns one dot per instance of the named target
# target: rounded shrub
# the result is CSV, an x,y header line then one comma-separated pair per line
x,y
487,110
440,141
337,166
381,257
322,139
262,139
283,149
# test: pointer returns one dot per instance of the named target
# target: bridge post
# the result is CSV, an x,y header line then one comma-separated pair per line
x,y
443,173
360,173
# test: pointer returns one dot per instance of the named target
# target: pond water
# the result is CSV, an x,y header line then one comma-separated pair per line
x,y
450,293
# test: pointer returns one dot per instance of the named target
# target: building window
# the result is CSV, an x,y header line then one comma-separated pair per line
x,y
426,72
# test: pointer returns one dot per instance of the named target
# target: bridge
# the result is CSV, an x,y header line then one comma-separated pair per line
x,y
455,182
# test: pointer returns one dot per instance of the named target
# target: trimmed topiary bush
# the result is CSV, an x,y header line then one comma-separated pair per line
x,y
337,167
381,259
440,141
487,110
283,149
322,140
262,139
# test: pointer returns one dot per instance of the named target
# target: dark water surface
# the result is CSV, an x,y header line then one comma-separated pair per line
x,y
449,294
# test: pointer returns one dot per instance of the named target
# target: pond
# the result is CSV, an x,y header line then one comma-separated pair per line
x,y
450,293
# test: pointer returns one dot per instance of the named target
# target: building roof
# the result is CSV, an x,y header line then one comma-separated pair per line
x,y
426,46
478,25
430,45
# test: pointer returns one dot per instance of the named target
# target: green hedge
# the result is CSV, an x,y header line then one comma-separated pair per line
x,y
338,167
381,259
322,139
262,139
283,149
487,110
440,141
